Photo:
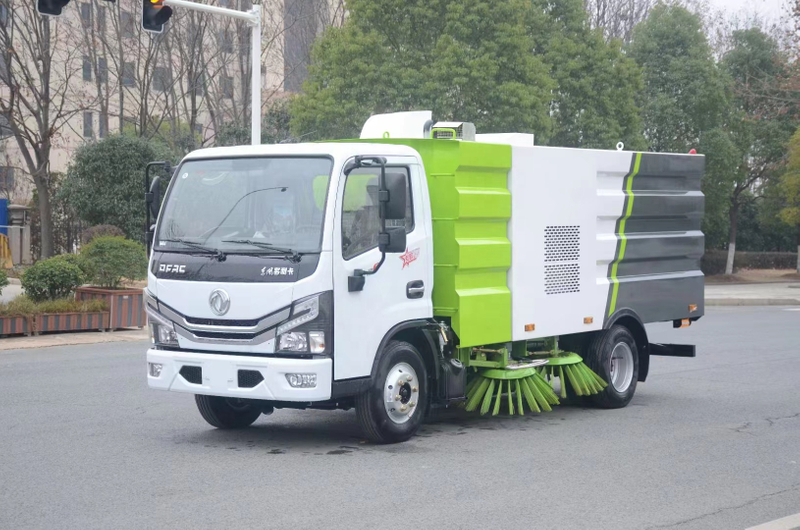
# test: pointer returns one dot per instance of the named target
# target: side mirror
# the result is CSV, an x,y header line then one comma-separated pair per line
x,y
153,197
393,240
150,235
394,206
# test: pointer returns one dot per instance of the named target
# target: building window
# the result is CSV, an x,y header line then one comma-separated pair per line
x,y
88,118
103,126
127,25
86,14
3,15
198,84
225,41
102,69
227,87
101,20
128,74
5,127
87,68
162,78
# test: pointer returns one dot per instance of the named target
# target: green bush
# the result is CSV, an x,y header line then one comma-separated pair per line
x,y
100,231
21,306
75,259
111,259
51,279
3,280
70,305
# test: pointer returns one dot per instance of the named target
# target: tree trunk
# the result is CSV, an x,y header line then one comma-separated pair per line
x,y
734,217
45,218
798,251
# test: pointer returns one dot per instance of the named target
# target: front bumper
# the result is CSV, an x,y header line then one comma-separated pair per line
x,y
220,375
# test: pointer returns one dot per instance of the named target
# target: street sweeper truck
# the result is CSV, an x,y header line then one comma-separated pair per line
x,y
421,265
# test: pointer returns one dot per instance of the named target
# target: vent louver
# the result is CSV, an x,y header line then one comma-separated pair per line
x,y
562,252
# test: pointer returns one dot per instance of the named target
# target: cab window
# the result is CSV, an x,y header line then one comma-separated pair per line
x,y
360,221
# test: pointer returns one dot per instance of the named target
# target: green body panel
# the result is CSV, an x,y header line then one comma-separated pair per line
x,y
470,207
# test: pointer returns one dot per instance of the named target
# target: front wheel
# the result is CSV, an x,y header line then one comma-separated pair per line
x,y
227,413
393,408
614,357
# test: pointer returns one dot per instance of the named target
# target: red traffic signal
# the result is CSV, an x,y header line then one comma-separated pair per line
x,y
154,15
51,8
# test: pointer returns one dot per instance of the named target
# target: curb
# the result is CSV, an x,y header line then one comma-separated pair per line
x,y
752,302
14,281
73,339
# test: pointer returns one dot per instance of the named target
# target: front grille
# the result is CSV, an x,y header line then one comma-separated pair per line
x,y
192,374
249,378
227,323
225,336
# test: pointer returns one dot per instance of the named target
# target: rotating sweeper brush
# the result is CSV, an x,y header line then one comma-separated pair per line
x,y
570,367
510,385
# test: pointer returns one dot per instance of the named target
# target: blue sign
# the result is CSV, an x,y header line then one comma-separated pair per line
x,y
3,216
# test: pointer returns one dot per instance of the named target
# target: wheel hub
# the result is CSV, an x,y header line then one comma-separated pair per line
x,y
621,370
401,393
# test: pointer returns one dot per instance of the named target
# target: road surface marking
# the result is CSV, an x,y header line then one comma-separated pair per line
x,y
787,523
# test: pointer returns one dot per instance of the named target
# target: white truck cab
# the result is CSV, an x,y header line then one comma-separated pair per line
x,y
373,273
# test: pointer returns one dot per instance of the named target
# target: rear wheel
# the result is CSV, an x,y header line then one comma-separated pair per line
x,y
614,357
227,413
393,408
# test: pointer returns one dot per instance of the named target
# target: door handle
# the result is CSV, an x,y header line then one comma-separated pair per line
x,y
415,289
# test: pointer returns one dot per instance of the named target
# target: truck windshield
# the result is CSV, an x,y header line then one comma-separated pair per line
x,y
246,205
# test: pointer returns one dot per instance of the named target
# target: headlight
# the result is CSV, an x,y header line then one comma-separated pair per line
x,y
310,327
162,330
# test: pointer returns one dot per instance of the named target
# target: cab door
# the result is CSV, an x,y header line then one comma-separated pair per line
x,y
401,289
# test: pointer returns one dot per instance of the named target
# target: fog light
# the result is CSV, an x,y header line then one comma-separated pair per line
x,y
154,369
302,380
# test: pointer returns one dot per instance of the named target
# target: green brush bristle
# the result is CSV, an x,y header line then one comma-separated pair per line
x,y
531,390
570,367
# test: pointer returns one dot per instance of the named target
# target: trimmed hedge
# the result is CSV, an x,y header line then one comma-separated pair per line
x,y
714,261
52,279
110,259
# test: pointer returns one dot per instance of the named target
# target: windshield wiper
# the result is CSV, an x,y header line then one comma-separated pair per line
x,y
289,253
218,254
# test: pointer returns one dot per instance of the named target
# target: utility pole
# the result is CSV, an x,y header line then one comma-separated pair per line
x,y
253,18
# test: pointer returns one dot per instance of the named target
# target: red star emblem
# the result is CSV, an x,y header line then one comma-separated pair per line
x,y
409,257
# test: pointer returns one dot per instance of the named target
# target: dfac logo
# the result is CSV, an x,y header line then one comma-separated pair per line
x,y
409,257
179,269
219,301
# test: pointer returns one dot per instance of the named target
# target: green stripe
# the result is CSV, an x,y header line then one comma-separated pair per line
x,y
623,239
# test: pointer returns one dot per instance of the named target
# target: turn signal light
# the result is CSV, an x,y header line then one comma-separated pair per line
x,y
530,327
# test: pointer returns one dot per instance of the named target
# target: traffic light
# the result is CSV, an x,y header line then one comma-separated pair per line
x,y
154,15
51,7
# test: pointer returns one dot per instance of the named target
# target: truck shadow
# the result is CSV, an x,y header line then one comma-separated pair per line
x,y
338,433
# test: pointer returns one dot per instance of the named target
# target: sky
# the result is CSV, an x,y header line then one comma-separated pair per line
x,y
767,8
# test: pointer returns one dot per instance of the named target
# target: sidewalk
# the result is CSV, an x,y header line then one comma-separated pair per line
x,y
753,294
72,339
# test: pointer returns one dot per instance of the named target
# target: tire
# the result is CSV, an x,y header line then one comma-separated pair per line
x,y
619,343
227,413
379,424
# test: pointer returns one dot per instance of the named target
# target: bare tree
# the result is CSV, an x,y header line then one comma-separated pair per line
x,y
40,60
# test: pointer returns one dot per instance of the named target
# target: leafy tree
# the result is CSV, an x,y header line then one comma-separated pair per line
x,y
762,122
104,182
469,61
594,104
790,186
274,127
685,94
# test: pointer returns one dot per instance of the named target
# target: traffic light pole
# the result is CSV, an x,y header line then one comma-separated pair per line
x,y
253,18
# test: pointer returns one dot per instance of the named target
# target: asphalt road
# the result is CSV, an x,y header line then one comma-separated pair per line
x,y
711,442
